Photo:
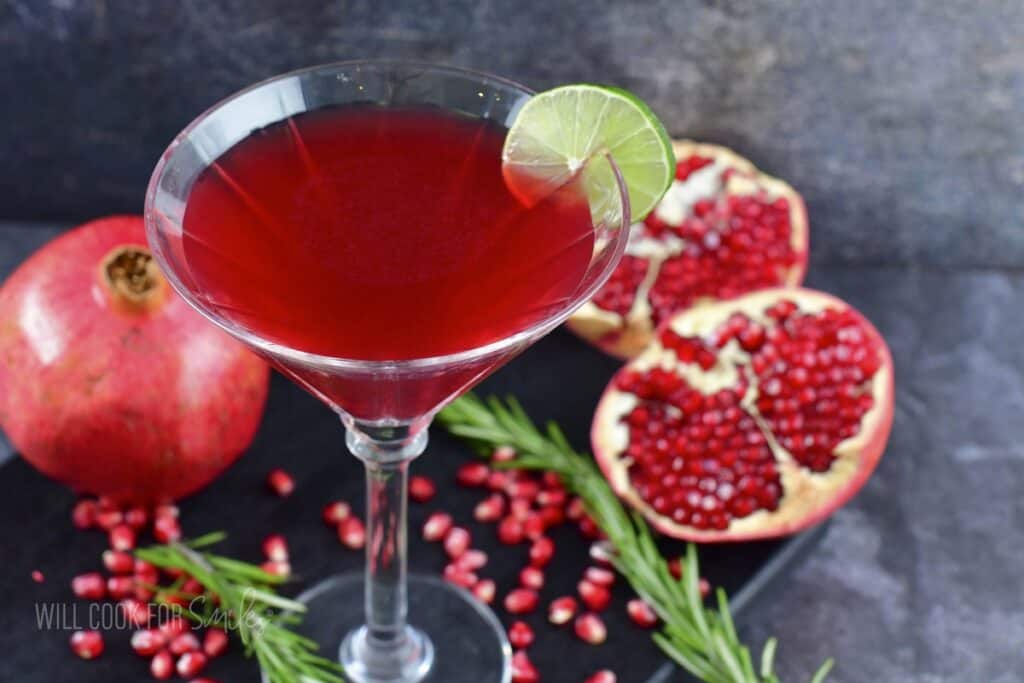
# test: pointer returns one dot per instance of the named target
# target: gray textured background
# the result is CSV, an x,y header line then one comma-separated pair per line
x,y
901,122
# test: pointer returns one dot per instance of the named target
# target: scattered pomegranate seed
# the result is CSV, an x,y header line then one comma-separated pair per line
x,y
87,644
437,526
601,552
162,665
704,587
497,481
541,551
120,587
503,454
533,526
457,542
562,610
531,577
591,629
190,664
600,576
166,510
472,474
122,537
135,611
136,518
352,533
336,512
675,568
275,548
602,676
215,642
521,601
279,568
83,514
595,597
552,516
490,509
280,483
118,561
173,627
471,560
641,613
166,529
485,591
146,575
108,519
520,508
89,586
421,489
37,576
589,529
105,503
575,509
520,635
525,489
523,670
147,642
510,531
459,576
186,642
552,498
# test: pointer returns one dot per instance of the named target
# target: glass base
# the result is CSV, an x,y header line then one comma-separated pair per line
x,y
453,639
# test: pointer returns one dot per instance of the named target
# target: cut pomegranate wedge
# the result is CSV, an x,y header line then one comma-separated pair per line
x,y
750,418
723,229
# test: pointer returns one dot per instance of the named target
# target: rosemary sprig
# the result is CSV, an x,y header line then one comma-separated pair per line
x,y
247,602
703,641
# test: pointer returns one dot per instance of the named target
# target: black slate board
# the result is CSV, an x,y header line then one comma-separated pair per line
x,y
560,378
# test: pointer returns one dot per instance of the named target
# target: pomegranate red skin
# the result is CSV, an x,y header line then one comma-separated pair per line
x,y
142,402
811,507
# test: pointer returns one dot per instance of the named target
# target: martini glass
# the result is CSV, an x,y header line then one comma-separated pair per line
x,y
385,405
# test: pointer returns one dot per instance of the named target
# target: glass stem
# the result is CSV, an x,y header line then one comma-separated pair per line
x,y
386,453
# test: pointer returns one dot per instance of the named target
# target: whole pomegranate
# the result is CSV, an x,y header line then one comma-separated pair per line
x,y
749,418
723,229
110,382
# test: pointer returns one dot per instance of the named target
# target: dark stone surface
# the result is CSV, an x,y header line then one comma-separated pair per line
x,y
920,578
899,121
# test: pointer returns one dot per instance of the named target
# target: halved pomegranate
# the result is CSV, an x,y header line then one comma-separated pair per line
x,y
723,229
750,418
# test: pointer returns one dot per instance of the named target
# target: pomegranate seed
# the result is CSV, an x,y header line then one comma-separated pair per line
x,y
108,519
352,533
166,529
704,587
190,664
122,537
541,551
421,489
600,576
147,642
173,627
490,509
279,568
641,613
215,642
591,629
457,542
135,611
87,644
575,510
521,601
437,526
533,526
459,576
280,483
595,597
602,676
524,490
146,576
275,548
589,529
520,635
552,516
120,587
83,514
336,512
562,610
485,591
510,531
503,454
531,577
162,665
37,576
89,586
106,503
118,561
165,511
497,481
520,508
675,568
551,498
523,670
471,560
186,642
136,518
472,474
